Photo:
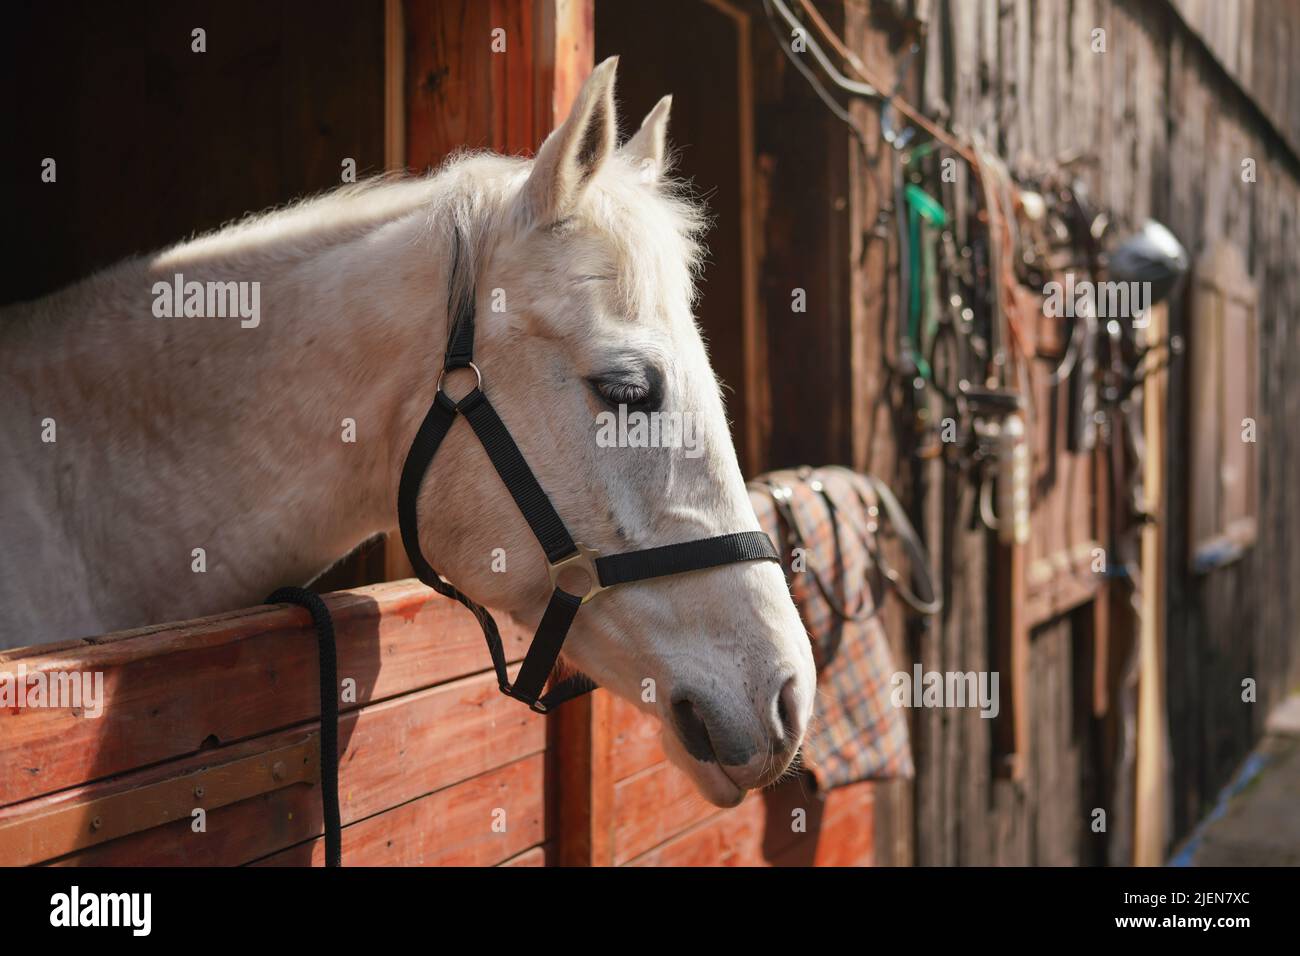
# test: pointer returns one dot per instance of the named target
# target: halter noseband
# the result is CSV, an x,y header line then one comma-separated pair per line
x,y
562,552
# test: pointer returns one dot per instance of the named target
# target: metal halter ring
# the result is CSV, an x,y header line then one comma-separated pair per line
x,y
478,376
584,559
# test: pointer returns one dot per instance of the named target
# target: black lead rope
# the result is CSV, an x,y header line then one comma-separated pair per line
x,y
329,714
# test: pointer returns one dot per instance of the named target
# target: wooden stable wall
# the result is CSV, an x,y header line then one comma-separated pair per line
x,y
437,766
433,755
1240,620
1169,129
222,715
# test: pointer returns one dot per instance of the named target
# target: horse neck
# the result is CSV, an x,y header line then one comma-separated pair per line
x,y
196,432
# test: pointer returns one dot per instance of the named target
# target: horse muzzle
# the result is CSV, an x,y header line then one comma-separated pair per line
x,y
753,746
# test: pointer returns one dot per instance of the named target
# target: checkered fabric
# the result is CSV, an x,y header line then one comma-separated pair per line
x,y
824,523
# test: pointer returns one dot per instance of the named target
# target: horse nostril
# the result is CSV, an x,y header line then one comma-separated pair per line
x,y
789,726
693,731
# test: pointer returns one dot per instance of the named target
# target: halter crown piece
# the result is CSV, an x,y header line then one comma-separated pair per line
x,y
562,552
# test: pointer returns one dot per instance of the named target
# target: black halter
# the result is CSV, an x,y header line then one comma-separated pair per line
x,y
562,552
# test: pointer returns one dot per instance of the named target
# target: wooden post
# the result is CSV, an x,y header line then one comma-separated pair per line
x,y
581,785
394,86
460,93
1151,822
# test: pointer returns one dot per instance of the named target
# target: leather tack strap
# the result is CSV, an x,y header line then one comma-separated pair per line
x,y
547,642
460,305
517,476
689,556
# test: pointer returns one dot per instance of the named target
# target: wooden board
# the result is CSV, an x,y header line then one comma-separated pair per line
x,y
536,856
482,821
1151,786
635,743
173,690
581,752
838,831
653,805
391,752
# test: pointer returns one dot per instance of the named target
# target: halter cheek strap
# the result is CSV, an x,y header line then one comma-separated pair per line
x,y
562,552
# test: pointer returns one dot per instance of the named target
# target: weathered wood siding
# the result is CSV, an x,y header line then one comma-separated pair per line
x,y
1258,43
1169,129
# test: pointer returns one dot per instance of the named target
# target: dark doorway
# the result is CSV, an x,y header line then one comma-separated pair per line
x,y
154,141
697,51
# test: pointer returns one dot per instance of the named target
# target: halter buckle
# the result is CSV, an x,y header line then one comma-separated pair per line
x,y
584,560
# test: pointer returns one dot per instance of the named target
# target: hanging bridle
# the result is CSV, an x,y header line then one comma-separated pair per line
x,y
562,552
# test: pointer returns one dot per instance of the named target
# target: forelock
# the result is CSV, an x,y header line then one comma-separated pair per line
x,y
656,227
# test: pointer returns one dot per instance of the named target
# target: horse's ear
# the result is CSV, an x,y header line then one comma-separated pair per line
x,y
574,153
647,148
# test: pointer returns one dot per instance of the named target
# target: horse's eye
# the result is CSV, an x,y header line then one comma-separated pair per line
x,y
638,385
623,393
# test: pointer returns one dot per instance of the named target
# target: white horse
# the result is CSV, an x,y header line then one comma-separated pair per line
x,y
132,440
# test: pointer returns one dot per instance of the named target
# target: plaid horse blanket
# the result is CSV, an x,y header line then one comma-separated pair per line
x,y
826,523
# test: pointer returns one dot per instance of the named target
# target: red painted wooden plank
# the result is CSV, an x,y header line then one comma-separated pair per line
x,y
448,79
636,741
483,821
174,688
656,806
461,92
536,856
728,838
584,802
839,831
390,753
652,806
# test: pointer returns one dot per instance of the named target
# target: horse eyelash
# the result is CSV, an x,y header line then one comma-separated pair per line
x,y
625,388
624,393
